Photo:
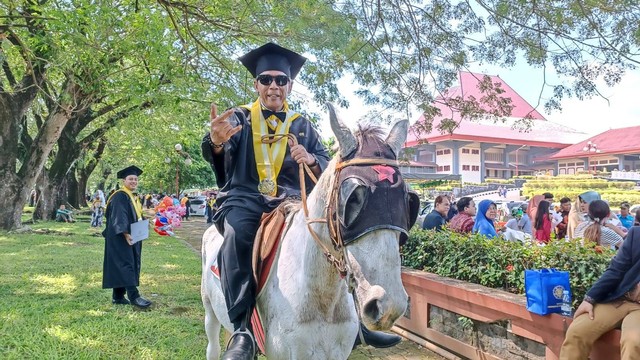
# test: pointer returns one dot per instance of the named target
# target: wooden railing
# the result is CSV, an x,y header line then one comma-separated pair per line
x,y
485,305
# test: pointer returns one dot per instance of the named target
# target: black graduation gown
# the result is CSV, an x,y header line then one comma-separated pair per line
x,y
121,267
241,204
237,174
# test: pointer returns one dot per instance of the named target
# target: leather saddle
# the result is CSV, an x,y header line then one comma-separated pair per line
x,y
266,243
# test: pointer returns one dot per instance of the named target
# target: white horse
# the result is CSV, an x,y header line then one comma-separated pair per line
x,y
305,305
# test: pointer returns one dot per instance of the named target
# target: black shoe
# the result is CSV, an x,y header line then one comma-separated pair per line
x,y
240,347
377,339
121,301
141,302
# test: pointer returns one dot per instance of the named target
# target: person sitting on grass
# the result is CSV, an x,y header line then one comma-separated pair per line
x,y
64,215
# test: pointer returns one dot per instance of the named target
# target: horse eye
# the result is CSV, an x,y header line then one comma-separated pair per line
x,y
353,198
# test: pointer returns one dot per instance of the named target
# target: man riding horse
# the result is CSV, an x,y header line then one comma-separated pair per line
x,y
255,176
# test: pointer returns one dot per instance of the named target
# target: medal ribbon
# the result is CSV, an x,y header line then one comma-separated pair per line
x,y
269,157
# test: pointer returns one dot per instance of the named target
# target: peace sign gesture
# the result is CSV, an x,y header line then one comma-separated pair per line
x,y
221,129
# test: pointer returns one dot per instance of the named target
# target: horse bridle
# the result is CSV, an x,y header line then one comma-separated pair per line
x,y
339,261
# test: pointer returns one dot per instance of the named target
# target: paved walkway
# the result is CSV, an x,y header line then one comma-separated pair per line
x,y
191,232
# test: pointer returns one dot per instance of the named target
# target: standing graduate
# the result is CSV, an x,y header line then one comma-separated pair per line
x,y
121,269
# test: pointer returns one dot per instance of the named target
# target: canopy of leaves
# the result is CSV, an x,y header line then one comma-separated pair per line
x,y
416,48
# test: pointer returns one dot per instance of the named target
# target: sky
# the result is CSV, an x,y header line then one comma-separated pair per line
x,y
591,116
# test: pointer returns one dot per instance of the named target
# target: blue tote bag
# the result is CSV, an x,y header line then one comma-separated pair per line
x,y
544,289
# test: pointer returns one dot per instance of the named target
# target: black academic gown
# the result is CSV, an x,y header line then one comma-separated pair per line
x,y
236,171
121,267
240,204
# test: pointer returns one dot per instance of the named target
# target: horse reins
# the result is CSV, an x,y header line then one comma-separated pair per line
x,y
338,261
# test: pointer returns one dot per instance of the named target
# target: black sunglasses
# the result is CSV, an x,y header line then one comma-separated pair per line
x,y
281,80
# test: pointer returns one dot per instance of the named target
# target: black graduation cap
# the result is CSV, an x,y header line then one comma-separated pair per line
x,y
272,57
131,170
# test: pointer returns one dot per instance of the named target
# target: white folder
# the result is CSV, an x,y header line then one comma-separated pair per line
x,y
139,231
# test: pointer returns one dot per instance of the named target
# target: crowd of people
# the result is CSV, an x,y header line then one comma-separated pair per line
x,y
589,218
614,300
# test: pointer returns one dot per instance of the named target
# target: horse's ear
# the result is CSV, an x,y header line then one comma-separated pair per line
x,y
345,138
398,135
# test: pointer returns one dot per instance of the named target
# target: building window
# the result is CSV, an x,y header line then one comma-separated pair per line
x,y
446,151
446,168
614,161
439,152
475,152
465,151
475,168
562,164
497,157
439,168
571,164
466,167
604,162
580,163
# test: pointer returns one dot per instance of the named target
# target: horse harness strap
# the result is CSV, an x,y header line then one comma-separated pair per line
x,y
337,260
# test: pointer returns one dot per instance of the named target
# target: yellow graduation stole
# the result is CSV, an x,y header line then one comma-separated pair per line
x,y
134,200
269,157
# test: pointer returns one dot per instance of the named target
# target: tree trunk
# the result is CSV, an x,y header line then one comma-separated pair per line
x,y
74,198
49,198
36,157
13,197
81,188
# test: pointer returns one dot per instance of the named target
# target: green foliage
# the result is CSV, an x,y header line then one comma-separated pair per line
x,y
53,305
615,192
500,264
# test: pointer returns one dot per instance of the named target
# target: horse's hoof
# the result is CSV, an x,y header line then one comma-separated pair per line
x,y
240,347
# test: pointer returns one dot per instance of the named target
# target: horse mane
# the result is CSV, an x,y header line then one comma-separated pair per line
x,y
368,131
364,132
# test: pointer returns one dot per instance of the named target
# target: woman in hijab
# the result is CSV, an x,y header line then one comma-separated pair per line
x,y
485,217
579,211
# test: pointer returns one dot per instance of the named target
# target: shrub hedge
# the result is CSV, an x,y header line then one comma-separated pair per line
x,y
615,192
500,264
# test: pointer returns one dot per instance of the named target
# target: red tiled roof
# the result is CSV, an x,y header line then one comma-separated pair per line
x,y
542,132
614,141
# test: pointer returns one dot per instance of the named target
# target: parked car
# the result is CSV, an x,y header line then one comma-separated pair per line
x,y
198,205
424,211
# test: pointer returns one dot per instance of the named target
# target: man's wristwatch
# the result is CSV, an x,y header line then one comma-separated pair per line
x,y
589,299
315,161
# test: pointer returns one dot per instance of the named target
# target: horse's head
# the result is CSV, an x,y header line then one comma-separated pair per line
x,y
371,211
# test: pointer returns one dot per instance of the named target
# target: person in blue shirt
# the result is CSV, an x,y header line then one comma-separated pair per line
x,y
438,216
525,222
485,217
625,218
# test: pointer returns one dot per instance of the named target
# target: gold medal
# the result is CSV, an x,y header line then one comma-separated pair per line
x,y
267,187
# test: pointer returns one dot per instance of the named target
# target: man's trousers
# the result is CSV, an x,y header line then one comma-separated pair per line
x,y
583,332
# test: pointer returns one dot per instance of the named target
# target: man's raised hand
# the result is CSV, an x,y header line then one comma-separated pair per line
x,y
221,129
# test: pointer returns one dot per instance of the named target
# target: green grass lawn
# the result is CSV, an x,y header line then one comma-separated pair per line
x,y
52,305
